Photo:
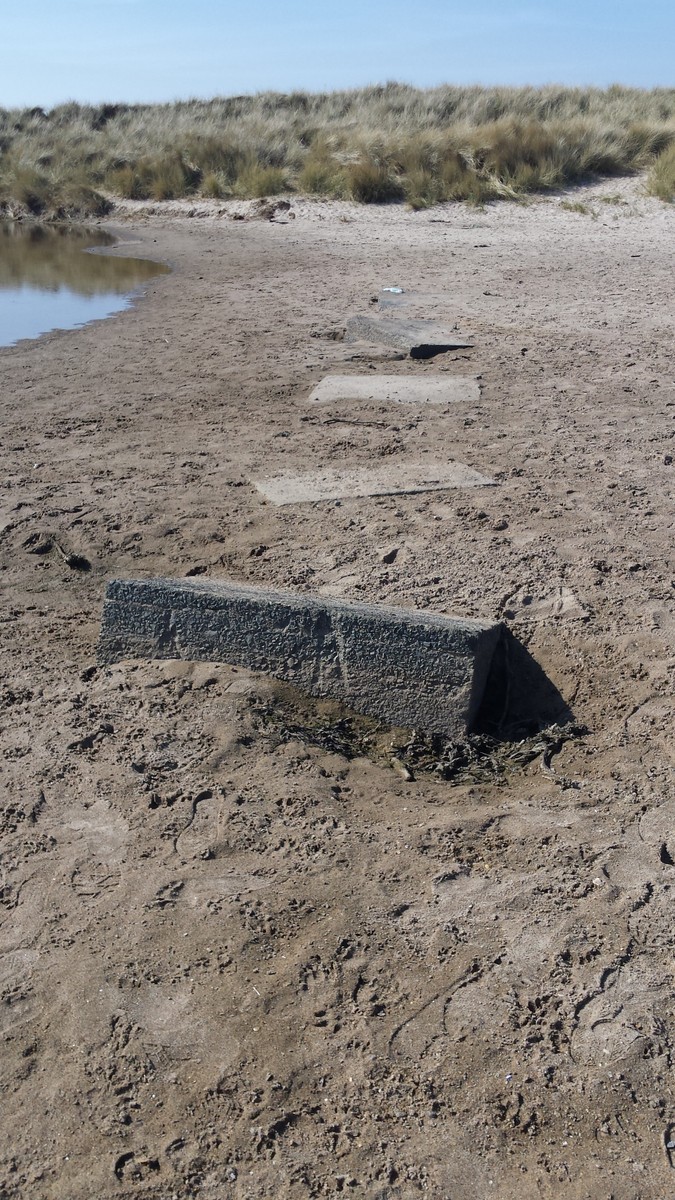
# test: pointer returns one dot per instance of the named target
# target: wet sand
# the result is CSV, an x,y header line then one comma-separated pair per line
x,y
236,964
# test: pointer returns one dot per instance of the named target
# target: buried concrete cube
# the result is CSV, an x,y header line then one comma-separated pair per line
x,y
412,669
419,339
397,389
351,483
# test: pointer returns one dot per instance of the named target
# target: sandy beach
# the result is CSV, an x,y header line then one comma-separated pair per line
x,y
238,964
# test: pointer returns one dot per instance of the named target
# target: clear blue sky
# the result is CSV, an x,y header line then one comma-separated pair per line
x,y
154,50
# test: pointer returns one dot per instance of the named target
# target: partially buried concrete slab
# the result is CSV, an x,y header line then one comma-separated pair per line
x,y
397,389
412,669
419,339
388,480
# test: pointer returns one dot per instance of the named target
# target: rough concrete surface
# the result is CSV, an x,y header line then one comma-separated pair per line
x,y
419,670
395,478
397,389
418,338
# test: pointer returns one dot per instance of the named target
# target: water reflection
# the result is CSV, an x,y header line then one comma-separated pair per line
x,y
48,280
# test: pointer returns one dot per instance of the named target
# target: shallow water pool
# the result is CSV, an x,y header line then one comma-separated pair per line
x,y
54,277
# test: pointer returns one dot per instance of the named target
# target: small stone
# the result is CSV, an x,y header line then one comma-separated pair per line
x,y
499,525
402,770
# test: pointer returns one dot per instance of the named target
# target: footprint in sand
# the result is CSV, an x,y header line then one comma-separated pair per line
x,y
656,829
203,833
447,1019
90,880
652,723
19,1006
622,1017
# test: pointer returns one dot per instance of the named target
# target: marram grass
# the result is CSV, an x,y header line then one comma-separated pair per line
x,y
374,145
661,181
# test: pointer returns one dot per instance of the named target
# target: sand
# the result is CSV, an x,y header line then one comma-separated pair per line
x,y
238,964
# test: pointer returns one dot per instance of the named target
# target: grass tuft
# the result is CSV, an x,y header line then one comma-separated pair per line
x,y
321,174
576,206
372,182
259,181
661,179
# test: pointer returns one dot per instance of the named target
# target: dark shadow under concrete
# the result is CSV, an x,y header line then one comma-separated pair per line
x,y
519,698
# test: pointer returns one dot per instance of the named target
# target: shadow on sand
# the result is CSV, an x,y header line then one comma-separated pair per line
x,y
519,699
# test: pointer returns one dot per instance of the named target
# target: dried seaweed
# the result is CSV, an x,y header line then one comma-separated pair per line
x,y
477,757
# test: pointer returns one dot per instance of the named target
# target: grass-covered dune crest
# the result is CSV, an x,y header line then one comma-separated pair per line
x,y
375,145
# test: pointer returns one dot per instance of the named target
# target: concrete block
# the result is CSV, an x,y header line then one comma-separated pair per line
x,y
388,480
406,668
397,389
419,339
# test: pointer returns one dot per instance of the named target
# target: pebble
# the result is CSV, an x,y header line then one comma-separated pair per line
x,y
402,770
